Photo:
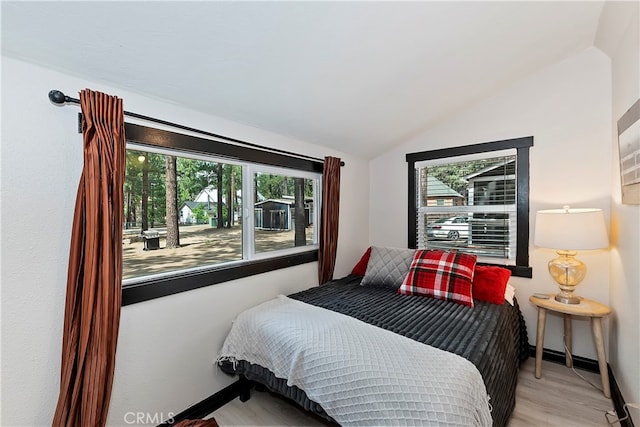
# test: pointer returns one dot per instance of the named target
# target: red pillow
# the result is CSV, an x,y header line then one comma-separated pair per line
x,y
489,283
361,267
441,275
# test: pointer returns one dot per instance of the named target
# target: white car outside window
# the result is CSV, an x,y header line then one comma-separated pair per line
x,y
454,228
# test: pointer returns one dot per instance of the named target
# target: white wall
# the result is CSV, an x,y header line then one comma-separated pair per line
x,y
166,346
566,107
618,36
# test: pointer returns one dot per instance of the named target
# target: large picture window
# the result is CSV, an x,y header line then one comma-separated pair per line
x,y
473,199
206,228
199,212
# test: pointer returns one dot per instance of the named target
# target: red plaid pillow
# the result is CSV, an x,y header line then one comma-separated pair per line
x,y
441,275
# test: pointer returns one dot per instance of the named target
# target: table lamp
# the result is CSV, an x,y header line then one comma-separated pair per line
x,y
569,230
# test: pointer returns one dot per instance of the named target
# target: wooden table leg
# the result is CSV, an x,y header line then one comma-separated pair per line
x,y
542,320
596,326
568,340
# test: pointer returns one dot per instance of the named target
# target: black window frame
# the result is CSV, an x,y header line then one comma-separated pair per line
x,y
522,146
151,288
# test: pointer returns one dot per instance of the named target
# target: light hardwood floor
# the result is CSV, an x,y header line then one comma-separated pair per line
x,y
559,398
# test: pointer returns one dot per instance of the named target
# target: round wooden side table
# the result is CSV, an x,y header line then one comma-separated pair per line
x,y
587,308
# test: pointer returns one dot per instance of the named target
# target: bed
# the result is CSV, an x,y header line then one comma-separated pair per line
x,y
492,337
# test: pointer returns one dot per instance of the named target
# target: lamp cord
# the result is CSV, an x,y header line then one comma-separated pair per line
x,y
607,414
619,420
566,349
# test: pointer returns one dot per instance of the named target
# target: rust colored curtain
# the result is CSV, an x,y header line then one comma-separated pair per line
x,y
92,310
329,219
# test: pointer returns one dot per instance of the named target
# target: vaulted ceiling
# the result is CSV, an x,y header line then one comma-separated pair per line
x,y
357,76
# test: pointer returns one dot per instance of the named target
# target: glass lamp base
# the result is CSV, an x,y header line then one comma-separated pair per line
x,y
567,271
567,299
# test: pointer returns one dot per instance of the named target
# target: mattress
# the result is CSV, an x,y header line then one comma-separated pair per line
x,y
492,337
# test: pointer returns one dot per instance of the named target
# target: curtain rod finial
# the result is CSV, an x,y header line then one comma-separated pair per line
x,y
57,97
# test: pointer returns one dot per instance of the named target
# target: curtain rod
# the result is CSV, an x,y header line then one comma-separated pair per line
x,y
59,98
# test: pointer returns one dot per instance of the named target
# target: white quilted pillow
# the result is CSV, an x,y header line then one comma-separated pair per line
x,y
387,267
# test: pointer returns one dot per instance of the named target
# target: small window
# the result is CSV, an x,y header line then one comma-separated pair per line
x,y
487,209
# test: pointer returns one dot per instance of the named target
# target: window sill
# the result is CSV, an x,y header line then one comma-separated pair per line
x,y
520,271
516,270
161,287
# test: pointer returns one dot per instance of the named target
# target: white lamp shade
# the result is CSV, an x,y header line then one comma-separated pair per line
x,y
571,229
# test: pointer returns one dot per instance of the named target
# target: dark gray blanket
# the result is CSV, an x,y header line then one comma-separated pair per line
x,y
492,337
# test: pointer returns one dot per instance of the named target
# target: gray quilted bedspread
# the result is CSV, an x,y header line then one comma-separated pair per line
x,y
492,337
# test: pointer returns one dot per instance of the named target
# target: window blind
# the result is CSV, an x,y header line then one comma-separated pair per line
x,y
469,205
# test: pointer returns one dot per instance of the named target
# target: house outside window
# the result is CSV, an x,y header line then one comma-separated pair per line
x,y
473,199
